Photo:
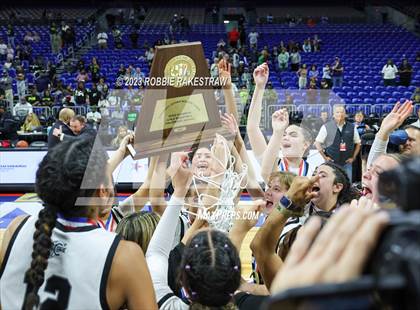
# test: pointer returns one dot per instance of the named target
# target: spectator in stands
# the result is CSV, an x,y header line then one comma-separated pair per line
x,y
31,123
121,70
233,37
246,78
359,123
103,88
131,116
174,24
244,95
8,125
81,66
302,74
253,38
264,56
6,83
117,35
316,44
313,73
33,98
221,44
269,18
3,50
47,99
80,94
405,71
138,74
122,133
270,95
28,38
389,73
134,37
415,97
214,69
102,40
339,141
326,75
10,35
306,47
337,73
55,38
184,23
10,54
295,60
82,77
324,84
283,59
22,108
94,95
93,116
36,37
312,85
94,69
150,54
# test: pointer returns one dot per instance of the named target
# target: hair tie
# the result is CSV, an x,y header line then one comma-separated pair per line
x,y
196,245
187,267
236,267
226,246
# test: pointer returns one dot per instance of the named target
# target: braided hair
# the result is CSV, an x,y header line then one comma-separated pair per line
x,y
59,179
210,270
349,192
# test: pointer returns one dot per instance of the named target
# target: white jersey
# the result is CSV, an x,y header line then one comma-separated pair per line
x,y
78,267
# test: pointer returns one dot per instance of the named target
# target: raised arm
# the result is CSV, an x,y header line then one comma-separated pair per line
x,y
160,245
255,135
391,122
225,74
263,245
280,121
253,187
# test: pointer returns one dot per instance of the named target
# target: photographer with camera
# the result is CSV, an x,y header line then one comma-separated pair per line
x,y
362,258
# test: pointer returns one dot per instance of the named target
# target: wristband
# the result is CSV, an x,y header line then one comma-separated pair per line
x,y
288,209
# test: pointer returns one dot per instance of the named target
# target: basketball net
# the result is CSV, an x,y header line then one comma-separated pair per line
x,y
220,215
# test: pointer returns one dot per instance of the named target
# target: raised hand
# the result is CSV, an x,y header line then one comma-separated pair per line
x,y
229,122
246,217
260,75
397,116
299,191
180,173
336,254
280,120
220,153
225,72
129,138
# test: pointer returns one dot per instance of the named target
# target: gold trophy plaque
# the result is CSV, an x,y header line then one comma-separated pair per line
x,y
179,109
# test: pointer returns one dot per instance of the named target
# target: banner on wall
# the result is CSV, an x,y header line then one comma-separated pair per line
x,y
20,168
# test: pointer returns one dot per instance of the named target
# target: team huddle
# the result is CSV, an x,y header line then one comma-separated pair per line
x,y
87,250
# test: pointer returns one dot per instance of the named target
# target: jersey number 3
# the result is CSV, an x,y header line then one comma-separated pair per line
x,y
54,285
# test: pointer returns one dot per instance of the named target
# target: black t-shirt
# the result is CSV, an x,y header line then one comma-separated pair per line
x,y
47,100
94,96
245,301
32,99
405,74
80,96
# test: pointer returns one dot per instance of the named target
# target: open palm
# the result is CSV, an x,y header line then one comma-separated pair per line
x,y
397,116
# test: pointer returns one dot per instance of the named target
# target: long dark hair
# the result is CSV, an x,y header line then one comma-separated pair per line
x,y
210,269
58,183
349,192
